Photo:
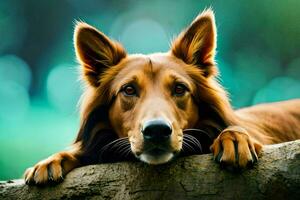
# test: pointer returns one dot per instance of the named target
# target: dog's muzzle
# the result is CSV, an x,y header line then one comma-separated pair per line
x,y
157,141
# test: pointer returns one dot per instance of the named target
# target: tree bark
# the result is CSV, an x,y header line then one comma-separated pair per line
x,y
275,176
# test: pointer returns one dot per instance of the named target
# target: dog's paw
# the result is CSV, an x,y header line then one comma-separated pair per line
x,y
234,148
50,170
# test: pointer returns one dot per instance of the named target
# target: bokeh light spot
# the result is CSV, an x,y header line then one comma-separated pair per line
x,y
144,36
63,88
13,68
14,102
252,71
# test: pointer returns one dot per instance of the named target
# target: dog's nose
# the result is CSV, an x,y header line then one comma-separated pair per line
x,y
156,130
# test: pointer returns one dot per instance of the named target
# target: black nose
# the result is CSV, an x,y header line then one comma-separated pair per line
x,y
156,130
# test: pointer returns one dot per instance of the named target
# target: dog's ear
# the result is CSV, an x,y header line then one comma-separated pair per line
x,y
95,52
196,45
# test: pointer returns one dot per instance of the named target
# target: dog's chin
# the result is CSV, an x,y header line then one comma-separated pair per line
x,y
156,157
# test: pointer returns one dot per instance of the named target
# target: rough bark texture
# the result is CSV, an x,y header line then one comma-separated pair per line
x,y
276,176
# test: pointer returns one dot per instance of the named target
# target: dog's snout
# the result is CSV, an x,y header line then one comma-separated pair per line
x,y
156,129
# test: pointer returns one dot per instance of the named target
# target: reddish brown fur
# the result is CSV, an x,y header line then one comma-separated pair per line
x,y
106,68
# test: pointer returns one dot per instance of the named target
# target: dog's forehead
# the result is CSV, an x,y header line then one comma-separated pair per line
x,y
152,63
166,61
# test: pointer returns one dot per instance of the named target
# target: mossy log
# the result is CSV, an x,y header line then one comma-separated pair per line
x,y
275,176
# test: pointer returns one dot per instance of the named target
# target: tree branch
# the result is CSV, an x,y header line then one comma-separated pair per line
x,y
276,176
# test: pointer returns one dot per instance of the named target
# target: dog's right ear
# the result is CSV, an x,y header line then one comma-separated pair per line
x,y
196,45
95,52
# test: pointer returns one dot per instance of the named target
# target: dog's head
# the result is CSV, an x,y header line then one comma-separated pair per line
x,y
152,98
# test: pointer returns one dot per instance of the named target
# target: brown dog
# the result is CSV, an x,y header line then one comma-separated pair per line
x,y
147,101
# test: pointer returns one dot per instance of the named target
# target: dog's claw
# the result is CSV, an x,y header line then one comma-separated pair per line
x,y
219,156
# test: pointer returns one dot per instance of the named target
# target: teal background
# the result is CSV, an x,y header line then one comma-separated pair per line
x,y
258,56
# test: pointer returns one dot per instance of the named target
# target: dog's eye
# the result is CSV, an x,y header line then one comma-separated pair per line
x,y
179,89
129,90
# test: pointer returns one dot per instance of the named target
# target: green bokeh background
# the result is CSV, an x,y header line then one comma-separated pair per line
x,y
258,56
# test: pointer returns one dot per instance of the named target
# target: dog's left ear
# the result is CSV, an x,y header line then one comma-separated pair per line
x,y
196,45
95,52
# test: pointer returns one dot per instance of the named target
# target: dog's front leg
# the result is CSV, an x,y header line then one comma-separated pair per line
x,y
235,148
53,168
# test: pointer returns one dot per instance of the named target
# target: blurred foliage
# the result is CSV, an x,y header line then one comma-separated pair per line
x,y
258,56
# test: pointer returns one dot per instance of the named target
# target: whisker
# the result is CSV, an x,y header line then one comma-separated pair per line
x,y
105,147
200,138
192,140
185,149
126,152
191,137
129,152
191,148
120,139
117,150
121,146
